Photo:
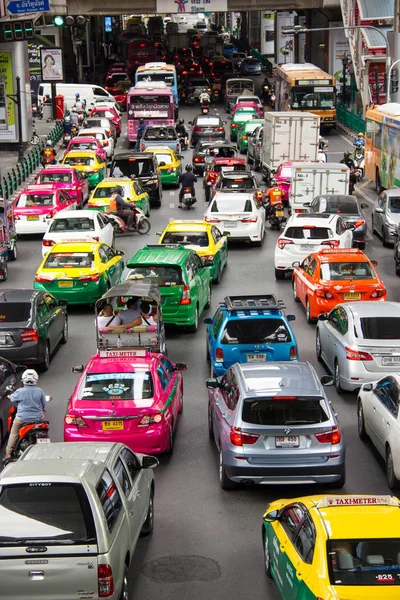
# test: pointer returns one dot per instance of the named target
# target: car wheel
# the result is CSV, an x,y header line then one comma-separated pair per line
x,y
218,278
208,304
180,409
362,434
398,269
338,385
267,556
392,480
125,588
385,243
309,318
225,482
44,365
210,423
279,275
2,436
339,483
171,439
207,351
193,328
148,525
64,337
295,296
318,349
372,224
113,241
361,245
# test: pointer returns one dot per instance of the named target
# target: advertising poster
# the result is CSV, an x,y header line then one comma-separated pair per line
x,y
52,65
284,51
35,65
268,33
390,171
339,46
191,6
8,130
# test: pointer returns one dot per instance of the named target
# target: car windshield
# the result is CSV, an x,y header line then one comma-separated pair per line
x,y
118,386
369,562
80,161
132,167
35,200
250,61
222,152
207,121
255,331
380,328
294,410
164,274
242,183
12,312
158,133
192,238
71,224
163,158
69,260
343,206
48,177
231,205
394,204
346,270
52,512
308,233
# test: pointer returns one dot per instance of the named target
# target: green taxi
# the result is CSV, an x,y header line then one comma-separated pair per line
x,y
169,164
183,277
245,131
240,117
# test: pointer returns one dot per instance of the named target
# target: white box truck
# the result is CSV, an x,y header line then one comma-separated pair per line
x,y
315,179
288,136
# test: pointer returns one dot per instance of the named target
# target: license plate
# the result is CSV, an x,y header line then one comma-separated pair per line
x,y
256,357
391,360
227,168
280,213
65,283
352,296
2,340
43,441
287,441
112,425
305,247
207,131
187,196
32,218
230,224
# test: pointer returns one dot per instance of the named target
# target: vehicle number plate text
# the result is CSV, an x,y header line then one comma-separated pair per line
x,y
386,360
256,357
65,284
305,247
112,425
43,441
230,224
280,213
32,218
352,296
287,441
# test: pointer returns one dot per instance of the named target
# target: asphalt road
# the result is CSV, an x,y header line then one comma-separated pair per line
x,y
206,542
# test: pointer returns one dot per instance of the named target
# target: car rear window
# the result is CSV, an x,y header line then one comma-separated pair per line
x,y
72,224
231,205
311,233
286,172
207,121
155,133
69,260
77,145
132,167
280,411
49,177
380,328
346,270
194,238
79,161
255,331
347,207
373,562
104,114
164,158
106,191
52,512
118,386
165,275
34,200
242,183
13,312
227,168
199,83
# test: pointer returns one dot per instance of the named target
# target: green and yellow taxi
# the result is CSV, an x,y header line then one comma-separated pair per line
x,y
183,277
90,164
241,116
169,164
79,272
244,132
343,547
202,237
132,191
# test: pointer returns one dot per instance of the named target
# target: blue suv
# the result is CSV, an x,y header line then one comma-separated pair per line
x,y
251,329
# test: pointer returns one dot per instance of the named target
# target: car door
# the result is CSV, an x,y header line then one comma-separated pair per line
x,y
379,215
83,185
66,202
56,319
45,324
386,411
335,331
203,279
112,263
140,493
173,388
286,558
300,279
104,229
221,242
221,407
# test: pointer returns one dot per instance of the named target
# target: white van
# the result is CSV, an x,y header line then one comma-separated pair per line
x,y
90,92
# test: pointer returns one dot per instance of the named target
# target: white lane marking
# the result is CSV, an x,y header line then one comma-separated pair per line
x,y
172,205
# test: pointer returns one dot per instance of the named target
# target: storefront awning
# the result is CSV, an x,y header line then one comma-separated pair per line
x,y
375,9
375,39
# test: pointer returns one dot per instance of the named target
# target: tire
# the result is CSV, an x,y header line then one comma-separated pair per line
x,y
208,358
4,272
170,449
44,365
362,434
218,278
148,525
309,318
318,347
180,410
64,338
372,224
279,275
125,588
144,226
361,245
392,480
157,201
225,482
267,556
398,269
13,254
339,483
385,243
338,386
295,296
378,184
209,294
210,423
193,328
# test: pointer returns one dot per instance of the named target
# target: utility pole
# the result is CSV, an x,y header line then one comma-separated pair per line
x,y
17,99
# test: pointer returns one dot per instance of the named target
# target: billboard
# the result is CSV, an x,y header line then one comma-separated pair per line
x,y
52,65
8,130
338,47
191,6
268,33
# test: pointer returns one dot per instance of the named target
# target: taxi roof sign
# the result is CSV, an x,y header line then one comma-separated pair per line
x,y
330,501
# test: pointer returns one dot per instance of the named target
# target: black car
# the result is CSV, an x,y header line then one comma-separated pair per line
x,y
10,375
236,180
141,166
199,153
32,324
351,209
207,127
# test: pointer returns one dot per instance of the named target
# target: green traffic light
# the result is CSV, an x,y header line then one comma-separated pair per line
x,y
58,21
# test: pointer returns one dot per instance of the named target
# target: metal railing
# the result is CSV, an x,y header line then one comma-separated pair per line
x,y
350,119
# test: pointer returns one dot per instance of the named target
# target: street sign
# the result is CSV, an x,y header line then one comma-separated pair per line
x,y
23,7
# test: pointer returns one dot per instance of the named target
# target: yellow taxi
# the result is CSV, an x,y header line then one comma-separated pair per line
x,y
169,164
132,191
90,165
204,238
334,547
79,271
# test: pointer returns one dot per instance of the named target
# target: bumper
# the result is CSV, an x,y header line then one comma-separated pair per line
x,y
359,375
198,168
169,178
360,234
243,144
87,294
184,316
31,227
29,353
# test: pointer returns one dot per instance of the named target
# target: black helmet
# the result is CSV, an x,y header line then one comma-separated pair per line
x,y
189,168
181,121
346,154
118,190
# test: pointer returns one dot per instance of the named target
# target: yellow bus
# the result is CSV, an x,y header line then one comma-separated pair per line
x,y
306,87
382,145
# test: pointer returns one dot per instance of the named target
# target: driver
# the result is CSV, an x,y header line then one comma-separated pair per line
x,y
204,98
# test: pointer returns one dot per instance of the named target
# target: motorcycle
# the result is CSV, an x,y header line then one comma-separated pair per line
x,y
354,177
359,159
182,142
142,223
205,109
276,216
37,111
272,100
189,198
66,139
74,130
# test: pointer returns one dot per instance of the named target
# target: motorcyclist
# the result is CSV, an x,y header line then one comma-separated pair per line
x,y
67,125
181,130
359,141
275,196
204,99
140,132
266,90
31,403
186,180
74,118
48,154
347,160
125,210
79,105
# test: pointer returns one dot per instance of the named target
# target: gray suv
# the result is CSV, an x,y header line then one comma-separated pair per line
x,y
273,424
71,515
386,216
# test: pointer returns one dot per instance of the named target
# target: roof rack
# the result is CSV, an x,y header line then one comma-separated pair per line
x,y
267,301
341,251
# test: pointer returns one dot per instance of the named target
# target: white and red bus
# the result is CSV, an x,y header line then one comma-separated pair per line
x,y
151,101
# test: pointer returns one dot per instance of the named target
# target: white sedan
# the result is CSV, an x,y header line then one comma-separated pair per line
x,y
79,225
239,213
105,138
378,419
305,233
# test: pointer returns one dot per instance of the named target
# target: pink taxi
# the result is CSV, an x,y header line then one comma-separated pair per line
x,y
283,175
133,397
85,143
65,178
248,106
37,205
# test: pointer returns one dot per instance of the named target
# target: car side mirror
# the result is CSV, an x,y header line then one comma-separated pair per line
x,y
212,384
208,321
180,366
291,317
378,209
295,264
10,388
271,516
223,122
367,387
364,205
307,204
327,380
190,122
162,164
208,262
20,369
323,317
77,369
374,262
159,233
350,226
149,462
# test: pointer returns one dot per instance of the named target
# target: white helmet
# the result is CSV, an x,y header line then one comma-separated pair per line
x,y
30,377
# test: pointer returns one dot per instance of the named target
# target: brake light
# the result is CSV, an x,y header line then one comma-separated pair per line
x,y
150,419
329,437
197,129
210,220
324,294
42,278
293,353
359,223
378,293
260,195
51,214
186,295
94,277
30,335
198,159
234,125
249,220
357,354
238,438
219,355
282,242
219,129
330,243
48,243
284,398
105,581
72,420
244,137
105,143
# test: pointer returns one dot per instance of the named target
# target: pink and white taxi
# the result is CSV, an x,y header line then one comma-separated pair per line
x,y
37,205
65,178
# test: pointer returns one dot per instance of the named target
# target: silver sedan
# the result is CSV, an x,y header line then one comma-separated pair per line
x,y
359,342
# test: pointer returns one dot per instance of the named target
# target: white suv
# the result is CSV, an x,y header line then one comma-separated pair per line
x,y
305,233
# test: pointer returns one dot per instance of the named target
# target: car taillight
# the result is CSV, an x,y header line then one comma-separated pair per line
x,y
324,294
150,419
51,214
143,147
330,243
238,438
378,293
259,195
293,353
186,299
210,220
329,437
94,277
219,129
249,220
17,218
197,129
105,581
30,335
234,125
357,354
198,159
48,243
42,278
219,355
359,223
73,420
244,137
282,242
172,170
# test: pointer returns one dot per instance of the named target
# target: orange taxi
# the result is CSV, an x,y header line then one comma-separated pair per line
x,y
328,277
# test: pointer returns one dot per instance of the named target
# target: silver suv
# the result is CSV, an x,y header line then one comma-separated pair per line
x,y
273,424
71,514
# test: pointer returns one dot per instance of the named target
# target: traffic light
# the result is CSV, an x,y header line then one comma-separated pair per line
x,y
58,21
394,81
